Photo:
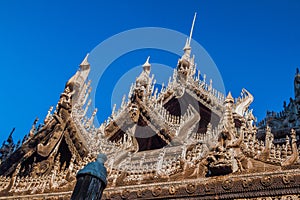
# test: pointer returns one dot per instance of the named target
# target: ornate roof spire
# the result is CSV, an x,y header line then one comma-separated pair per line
x,y
147,65
192,28
229,98
147,62
85,62
187,47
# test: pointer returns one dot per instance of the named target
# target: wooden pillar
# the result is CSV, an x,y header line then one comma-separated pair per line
x,y
91,180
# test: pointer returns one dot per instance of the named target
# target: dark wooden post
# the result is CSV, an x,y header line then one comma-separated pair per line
x,y
91,180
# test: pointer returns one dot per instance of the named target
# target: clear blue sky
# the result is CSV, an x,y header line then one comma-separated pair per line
x,y
255,44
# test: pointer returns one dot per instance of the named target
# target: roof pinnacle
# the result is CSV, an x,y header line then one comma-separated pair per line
x,y
187,45
229,98
85,61
192,28
147,65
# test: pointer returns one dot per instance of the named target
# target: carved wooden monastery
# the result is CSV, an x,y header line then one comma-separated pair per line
x,y
187,141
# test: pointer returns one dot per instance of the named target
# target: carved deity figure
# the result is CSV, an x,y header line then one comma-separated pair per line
x,y
65,102
134,112
143,82
33,128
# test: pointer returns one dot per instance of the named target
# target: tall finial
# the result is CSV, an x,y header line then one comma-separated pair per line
x,y
187,45
147,62
147,65
192,28
85,61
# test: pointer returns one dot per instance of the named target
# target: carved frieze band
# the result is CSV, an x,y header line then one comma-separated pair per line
x,y
230,187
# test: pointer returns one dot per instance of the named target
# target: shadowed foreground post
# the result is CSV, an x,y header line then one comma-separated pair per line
x,y
91,180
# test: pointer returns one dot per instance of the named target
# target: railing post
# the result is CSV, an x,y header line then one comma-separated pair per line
x,y
91,180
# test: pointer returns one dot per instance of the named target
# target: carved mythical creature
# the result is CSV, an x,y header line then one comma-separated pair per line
x,y
219,162
243,103
250,119
188,125
265,154
295,154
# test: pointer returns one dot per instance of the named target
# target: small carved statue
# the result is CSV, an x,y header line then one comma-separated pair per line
x,y
134,112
